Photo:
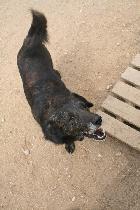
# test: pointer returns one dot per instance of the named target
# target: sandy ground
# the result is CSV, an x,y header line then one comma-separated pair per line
x,y
91,43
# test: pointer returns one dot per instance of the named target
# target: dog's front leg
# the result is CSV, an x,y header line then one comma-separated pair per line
x,y
70,146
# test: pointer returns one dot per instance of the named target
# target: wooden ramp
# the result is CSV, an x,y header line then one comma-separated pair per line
x,y
121,109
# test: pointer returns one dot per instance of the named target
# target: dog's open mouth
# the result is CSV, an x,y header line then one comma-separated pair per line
x,y
99,134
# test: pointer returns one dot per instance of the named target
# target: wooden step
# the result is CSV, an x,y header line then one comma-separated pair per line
x,y
136,61
121,131
127,92
122,110
132,76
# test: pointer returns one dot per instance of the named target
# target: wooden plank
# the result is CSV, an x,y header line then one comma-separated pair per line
x,y
127,92
123,110
136,61
121,131
132,75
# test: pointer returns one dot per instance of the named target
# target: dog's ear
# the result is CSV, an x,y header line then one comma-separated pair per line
x,y
81,98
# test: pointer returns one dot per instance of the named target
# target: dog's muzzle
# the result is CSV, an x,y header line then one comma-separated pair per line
x,y
95,132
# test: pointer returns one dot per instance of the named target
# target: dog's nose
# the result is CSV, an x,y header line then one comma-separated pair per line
x,y
98,120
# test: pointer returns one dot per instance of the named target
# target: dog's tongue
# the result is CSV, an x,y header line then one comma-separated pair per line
x,y
99,134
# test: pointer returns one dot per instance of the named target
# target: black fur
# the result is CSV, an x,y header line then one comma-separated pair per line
x,y
63,116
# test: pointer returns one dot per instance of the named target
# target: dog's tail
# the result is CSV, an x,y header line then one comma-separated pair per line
x,y
38,31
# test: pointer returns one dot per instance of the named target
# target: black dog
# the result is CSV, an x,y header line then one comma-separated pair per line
x,y
63,116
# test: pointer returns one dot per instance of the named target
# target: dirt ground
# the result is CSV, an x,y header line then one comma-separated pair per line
x,y
91,43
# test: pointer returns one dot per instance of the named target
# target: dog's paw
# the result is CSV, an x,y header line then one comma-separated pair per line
x,y
70,147
81,138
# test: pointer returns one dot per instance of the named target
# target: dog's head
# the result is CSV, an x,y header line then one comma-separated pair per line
x,y
74,121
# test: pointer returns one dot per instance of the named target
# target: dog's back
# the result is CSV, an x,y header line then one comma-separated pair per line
x,y
42,84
